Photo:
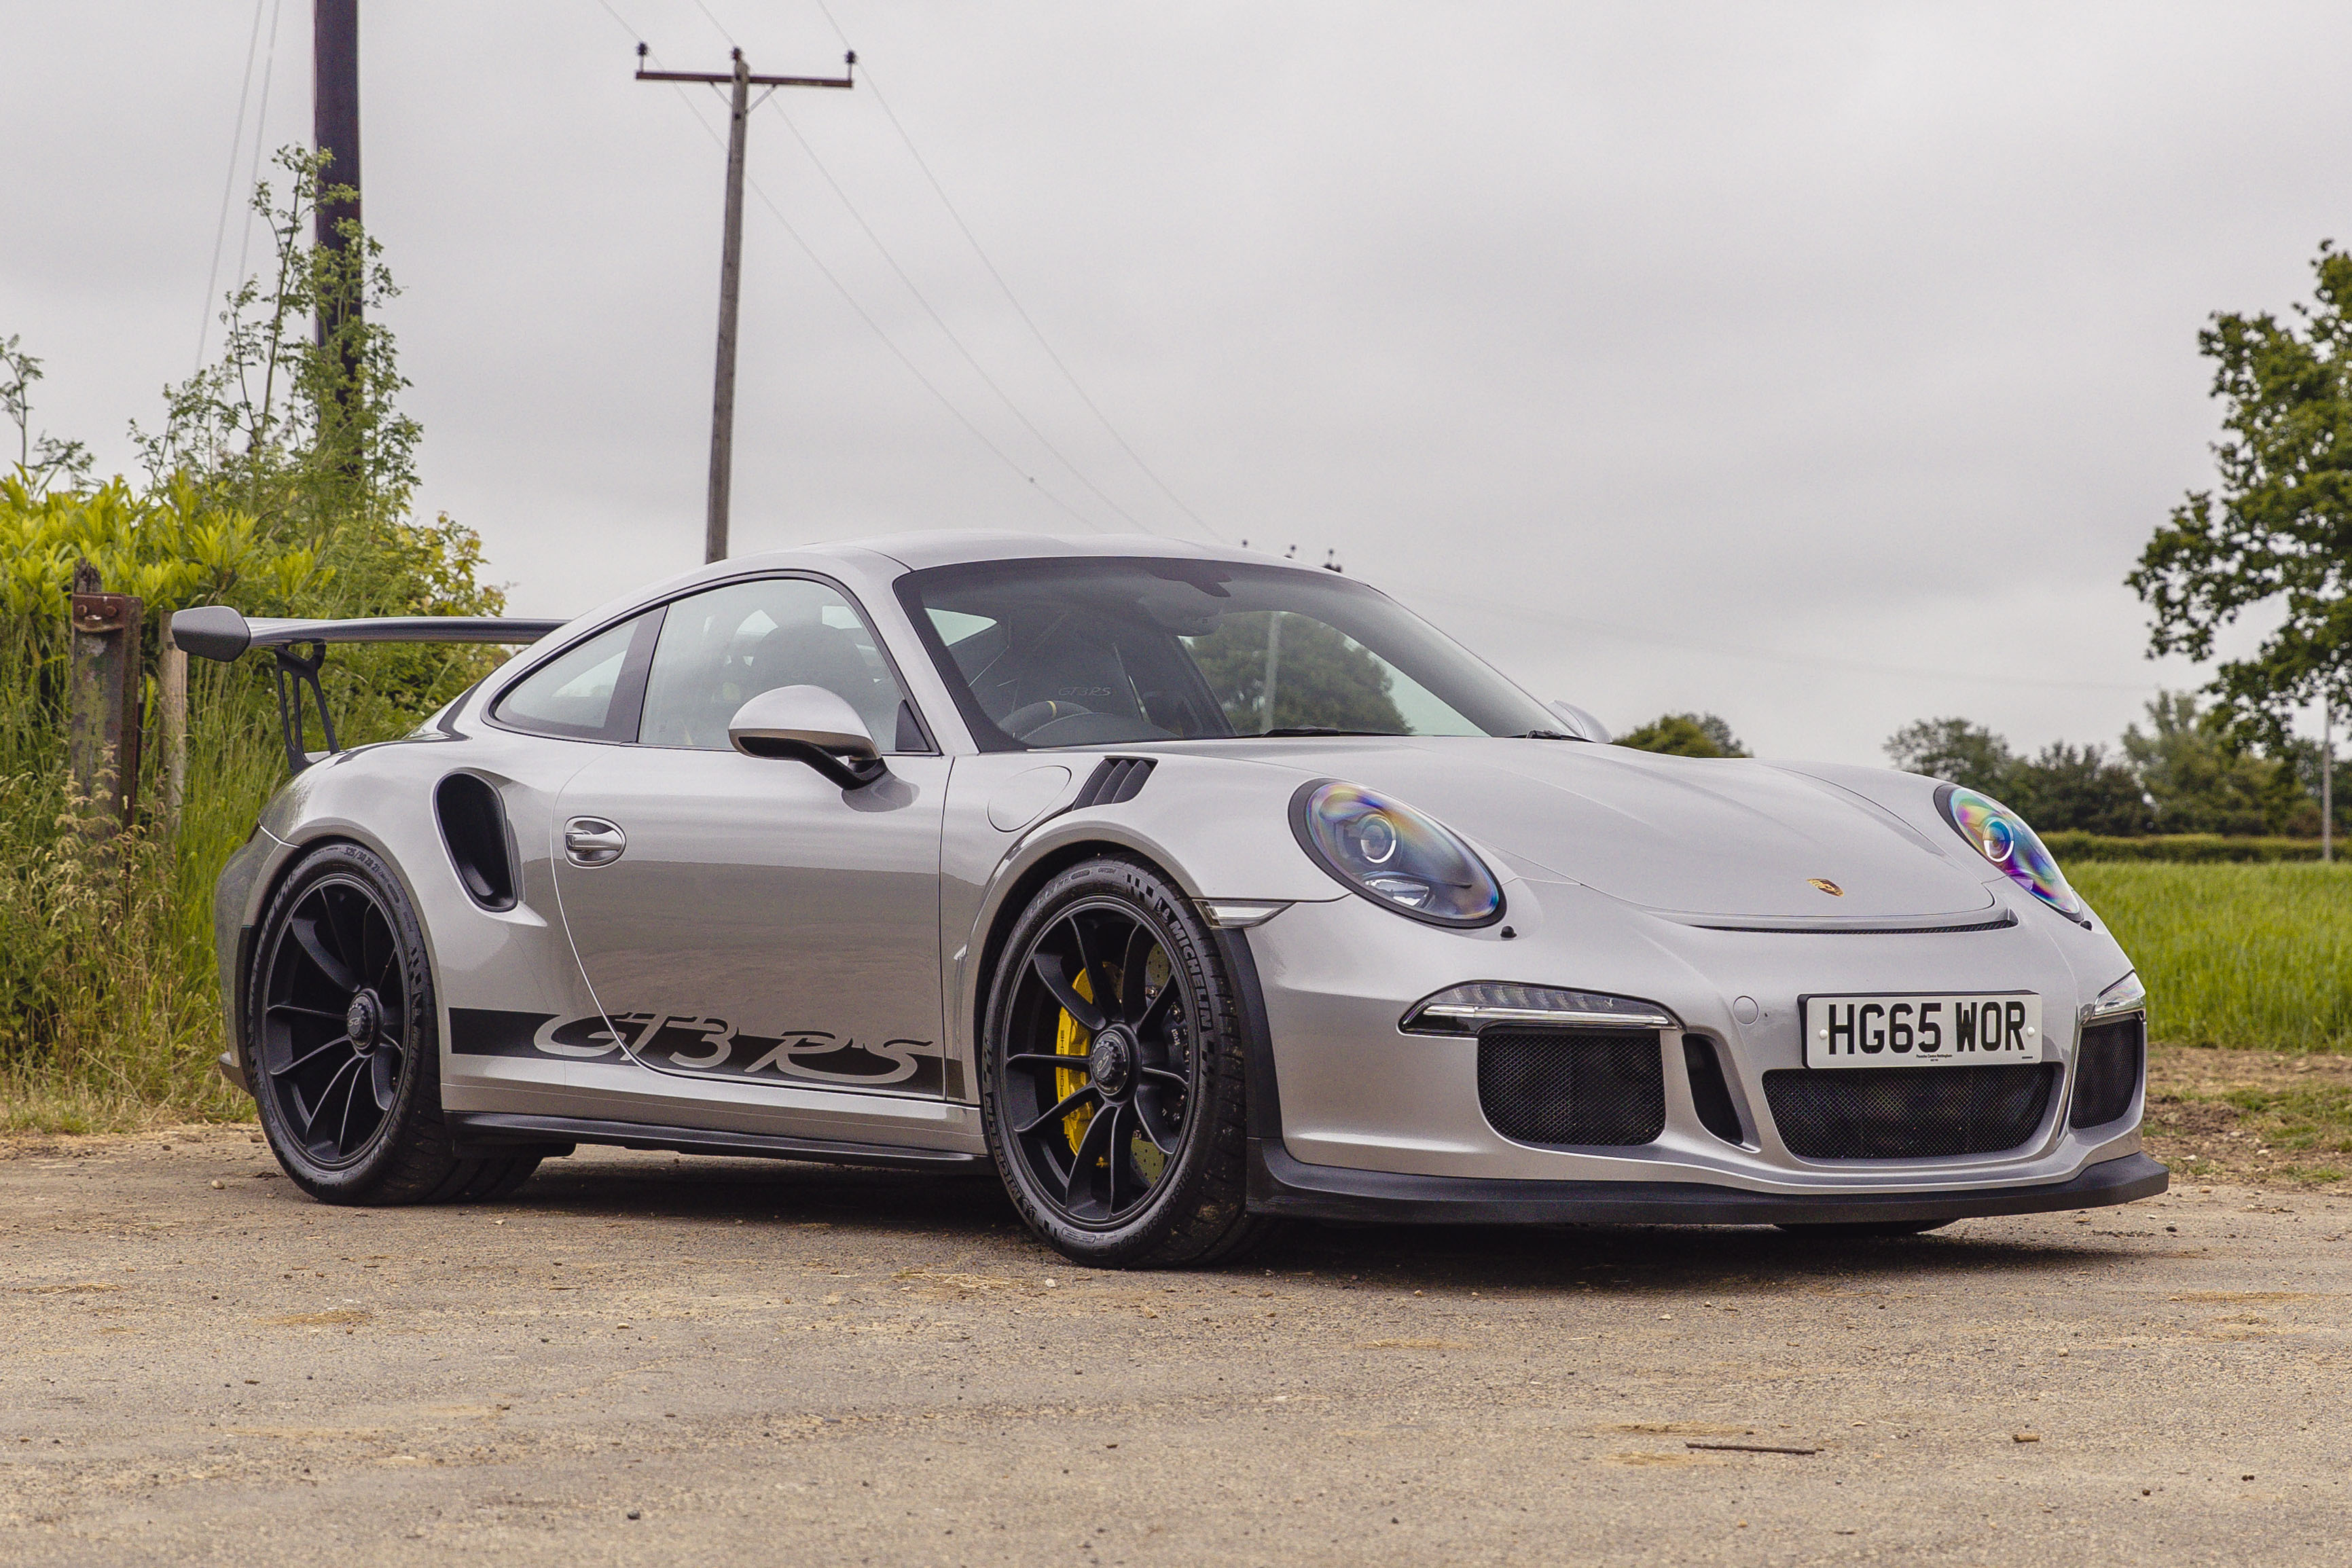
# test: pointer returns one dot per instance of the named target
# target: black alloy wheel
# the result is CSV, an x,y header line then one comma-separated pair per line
x,y
333,1017
341,1048
1113,1090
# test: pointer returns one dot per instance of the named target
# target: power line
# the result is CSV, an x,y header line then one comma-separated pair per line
x,y
1007,288
949,332
260,135
228,181
1684,640
939,320
849,298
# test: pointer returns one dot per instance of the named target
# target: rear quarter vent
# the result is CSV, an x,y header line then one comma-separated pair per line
x,y
474,829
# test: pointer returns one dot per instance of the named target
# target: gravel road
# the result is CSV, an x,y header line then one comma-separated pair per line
x,y
652,1359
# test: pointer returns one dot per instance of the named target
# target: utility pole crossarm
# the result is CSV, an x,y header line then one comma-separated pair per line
x,y
730,266
723,79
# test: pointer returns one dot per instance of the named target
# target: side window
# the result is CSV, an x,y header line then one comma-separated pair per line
x,y
720,649
585,692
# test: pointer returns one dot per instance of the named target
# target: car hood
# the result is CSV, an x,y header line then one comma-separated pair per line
x,y
1720,838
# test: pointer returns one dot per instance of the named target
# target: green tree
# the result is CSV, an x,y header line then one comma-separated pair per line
x,y
1685,735
1321,676
2279,526
1955,750
2197,777
2078,787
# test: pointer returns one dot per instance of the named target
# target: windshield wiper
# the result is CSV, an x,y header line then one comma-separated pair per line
x,y
1546,734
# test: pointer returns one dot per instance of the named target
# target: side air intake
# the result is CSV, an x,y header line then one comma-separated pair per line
x,y
474,827
1115,780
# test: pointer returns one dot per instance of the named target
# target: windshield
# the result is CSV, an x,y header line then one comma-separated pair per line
x,y
1107,651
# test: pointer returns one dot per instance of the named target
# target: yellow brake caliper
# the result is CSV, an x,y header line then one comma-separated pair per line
x,y
1070,1040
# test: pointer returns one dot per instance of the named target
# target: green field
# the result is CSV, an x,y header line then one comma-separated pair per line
x,y
2234,954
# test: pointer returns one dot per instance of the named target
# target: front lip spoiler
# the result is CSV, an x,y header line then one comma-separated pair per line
x,y
1281,1184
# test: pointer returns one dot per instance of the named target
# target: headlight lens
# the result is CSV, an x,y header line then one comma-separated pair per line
x,y
2001,836
1395,855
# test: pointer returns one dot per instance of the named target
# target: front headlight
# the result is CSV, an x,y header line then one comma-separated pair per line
x,y
1395,855
2001,836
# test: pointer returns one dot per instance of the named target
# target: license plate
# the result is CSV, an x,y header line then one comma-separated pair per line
x,y
1923,1030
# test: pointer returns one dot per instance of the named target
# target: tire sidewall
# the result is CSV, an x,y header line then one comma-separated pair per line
x,y
1193,954
420,1083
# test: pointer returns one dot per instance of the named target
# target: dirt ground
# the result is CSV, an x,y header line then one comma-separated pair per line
x,y
647,1358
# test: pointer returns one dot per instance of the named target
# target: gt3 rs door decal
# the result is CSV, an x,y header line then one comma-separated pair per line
x,y
703,1048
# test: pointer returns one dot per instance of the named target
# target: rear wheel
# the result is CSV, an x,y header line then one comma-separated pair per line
x,y
341,1043
1112,1084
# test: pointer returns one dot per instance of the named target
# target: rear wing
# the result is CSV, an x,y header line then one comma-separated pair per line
x,y
218,632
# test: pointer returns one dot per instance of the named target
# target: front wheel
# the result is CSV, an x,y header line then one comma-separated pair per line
x,y
1113,1074
341,1043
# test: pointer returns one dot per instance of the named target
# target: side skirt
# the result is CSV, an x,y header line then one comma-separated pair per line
x,y
480,1133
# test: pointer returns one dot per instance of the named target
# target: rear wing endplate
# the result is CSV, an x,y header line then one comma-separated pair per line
x,y
218,632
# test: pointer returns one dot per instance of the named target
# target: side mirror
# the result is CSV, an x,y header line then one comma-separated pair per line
x,y
811,725
1580,723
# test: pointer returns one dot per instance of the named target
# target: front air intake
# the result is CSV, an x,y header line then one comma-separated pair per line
x,y
2107,1066
1907,1113
1710,1095
1573,1089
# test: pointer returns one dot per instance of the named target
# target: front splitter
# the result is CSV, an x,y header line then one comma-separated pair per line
x,y
1280,1185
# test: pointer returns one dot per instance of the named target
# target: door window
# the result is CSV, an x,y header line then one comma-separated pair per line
x,y
720,649
588,692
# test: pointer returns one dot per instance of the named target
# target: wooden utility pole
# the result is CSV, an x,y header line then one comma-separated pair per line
x,y
335,124
739,81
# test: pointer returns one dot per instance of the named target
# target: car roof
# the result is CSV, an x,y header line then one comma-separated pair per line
x,y
955,547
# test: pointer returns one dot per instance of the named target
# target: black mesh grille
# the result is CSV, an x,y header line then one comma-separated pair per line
x,y
1582,1089
2106,1070
1907,1113
1710,1095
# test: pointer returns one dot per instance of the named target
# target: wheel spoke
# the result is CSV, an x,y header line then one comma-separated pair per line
x,y
339,922
307,1012
350,1098
1132,966
1146,1118
1169,1076
1049,969
382,1069
311,1117
310,1055
1122,1178
1153,1014
1069,1103
305,936
1047,1060
1090,1149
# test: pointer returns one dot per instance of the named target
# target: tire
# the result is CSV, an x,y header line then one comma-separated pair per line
x,y
342,1043
1867,1230
1134,1156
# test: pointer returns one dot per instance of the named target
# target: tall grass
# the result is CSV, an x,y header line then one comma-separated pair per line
x,y
2234,954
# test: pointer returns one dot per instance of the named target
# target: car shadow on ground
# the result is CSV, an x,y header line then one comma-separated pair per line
x,y
966,1209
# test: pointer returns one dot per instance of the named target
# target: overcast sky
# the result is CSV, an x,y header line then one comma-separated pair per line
x,y
1823,366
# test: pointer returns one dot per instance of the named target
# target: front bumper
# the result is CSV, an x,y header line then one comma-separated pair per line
x,y
1357,1095
1281,1184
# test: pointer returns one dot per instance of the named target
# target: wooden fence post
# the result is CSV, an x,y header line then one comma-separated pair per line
x,y
172,695
103,693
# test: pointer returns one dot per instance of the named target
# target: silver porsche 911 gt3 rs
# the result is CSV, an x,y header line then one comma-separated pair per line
x,y
1189,888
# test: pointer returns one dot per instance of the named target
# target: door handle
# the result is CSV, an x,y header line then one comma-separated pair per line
x,y
592,841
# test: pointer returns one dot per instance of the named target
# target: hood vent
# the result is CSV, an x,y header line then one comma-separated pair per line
x,y
1117,779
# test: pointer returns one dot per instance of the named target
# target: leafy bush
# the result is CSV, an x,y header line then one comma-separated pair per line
x,y
279,482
